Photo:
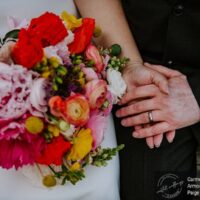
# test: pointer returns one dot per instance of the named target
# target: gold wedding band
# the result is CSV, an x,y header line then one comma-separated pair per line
x,y
150,117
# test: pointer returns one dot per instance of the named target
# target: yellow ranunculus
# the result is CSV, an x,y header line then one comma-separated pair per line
x,y
81,146
71,21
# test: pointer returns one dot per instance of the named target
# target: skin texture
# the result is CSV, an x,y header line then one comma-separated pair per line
x,y
171,111
116,30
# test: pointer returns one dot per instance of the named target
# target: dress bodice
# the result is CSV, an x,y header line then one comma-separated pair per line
x,y
27,9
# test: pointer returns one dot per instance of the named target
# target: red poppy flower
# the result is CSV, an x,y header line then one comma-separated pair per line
x,y
82,36
28,50
54,152
49,28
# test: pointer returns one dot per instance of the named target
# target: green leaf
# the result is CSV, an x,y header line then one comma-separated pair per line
x,y
11,35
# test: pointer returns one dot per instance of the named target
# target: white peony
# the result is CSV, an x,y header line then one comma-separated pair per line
x,y
117,85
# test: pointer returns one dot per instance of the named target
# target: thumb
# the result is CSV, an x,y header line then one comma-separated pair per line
x,y
169,73
160,80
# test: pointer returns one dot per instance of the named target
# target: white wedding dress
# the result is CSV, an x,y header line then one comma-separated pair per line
x,y
100,183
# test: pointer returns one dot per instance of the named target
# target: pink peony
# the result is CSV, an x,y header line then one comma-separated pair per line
x,y
97,123
17,146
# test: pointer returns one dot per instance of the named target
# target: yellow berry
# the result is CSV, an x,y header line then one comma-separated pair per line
x,y
46,74
49,181
34,125
97,31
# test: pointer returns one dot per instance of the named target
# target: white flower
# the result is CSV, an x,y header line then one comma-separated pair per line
x,y
69,132
117,85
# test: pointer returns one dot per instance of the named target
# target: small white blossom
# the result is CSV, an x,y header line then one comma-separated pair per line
x,y
117,85
69,132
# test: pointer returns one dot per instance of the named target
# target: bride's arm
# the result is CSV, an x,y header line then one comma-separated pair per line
x,y
110,17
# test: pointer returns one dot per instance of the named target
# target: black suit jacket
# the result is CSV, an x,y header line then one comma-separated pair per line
x,y
167,32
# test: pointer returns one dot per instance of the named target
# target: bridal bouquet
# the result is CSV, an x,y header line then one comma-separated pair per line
x,y
57,89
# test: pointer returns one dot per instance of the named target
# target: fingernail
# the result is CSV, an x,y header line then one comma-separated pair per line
x,y
151,146
157,145
123,123
135,134
117,114
167,89
171,140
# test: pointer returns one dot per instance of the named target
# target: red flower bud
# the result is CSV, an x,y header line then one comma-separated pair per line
x,y
82,36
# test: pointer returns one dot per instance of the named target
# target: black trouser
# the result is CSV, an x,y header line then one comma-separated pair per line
x,y
144,172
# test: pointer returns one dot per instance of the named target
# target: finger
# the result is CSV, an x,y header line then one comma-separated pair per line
x,y
160,80
138,127
155,129
150,142
142,118
139,92
169,73
170,136
157,140
139,107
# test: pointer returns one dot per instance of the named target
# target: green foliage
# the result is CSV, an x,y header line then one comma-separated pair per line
x,y
68,175
11,35
100,156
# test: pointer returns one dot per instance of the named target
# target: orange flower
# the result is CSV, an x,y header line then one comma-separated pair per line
x,y
28,50
55,104
82,36
76,110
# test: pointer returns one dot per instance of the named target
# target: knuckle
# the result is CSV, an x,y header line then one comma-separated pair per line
x,y
184,77
144,118
155,130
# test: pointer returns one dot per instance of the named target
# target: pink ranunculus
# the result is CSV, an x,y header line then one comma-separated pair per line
x,y
96,91
92,53
97,124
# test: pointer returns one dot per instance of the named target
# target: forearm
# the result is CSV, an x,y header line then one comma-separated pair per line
x,y
110,17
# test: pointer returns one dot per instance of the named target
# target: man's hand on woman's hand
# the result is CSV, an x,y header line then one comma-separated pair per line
x,y
138,74
171,111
